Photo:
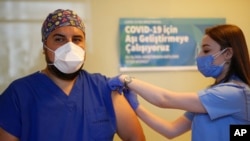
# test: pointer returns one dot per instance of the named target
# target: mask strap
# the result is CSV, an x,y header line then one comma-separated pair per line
x,y
219,53
223,63
48,48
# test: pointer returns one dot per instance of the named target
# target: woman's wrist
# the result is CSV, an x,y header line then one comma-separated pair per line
x,y
126,80
121,78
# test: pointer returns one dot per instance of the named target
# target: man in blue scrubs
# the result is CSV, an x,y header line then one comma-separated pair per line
x,y
63,102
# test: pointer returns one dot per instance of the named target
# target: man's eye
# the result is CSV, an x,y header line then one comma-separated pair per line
x,y
77,40
58,39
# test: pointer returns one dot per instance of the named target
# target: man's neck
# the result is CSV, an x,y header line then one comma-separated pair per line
x,y
65,85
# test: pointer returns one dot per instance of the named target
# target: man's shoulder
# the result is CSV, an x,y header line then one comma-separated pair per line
x,y
30,77
94,76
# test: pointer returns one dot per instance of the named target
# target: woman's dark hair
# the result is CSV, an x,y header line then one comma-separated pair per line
x,y
231,36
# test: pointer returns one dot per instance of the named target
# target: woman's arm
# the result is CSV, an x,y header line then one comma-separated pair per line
x,y
165,98
168,129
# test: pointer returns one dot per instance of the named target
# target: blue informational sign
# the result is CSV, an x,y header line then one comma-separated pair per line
x,y
161,44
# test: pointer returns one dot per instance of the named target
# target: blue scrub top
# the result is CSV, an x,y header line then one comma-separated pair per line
x,y
34,108
226,104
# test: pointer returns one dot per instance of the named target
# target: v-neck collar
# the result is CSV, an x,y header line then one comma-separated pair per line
x,y
54,89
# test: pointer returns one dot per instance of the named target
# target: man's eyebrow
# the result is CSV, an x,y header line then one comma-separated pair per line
x,y
75,36
79,36
58,35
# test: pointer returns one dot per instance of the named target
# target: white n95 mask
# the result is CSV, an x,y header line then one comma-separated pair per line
x,y
68,58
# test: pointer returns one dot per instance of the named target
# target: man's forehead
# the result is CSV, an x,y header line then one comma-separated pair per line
x,y
68,31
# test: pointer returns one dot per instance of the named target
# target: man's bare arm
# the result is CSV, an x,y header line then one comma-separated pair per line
x,y
128,125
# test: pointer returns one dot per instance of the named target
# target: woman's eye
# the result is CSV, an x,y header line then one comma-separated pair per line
x,y
205,51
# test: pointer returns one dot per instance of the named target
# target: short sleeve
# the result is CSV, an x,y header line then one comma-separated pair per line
x,y
189,115
222,100
10,112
